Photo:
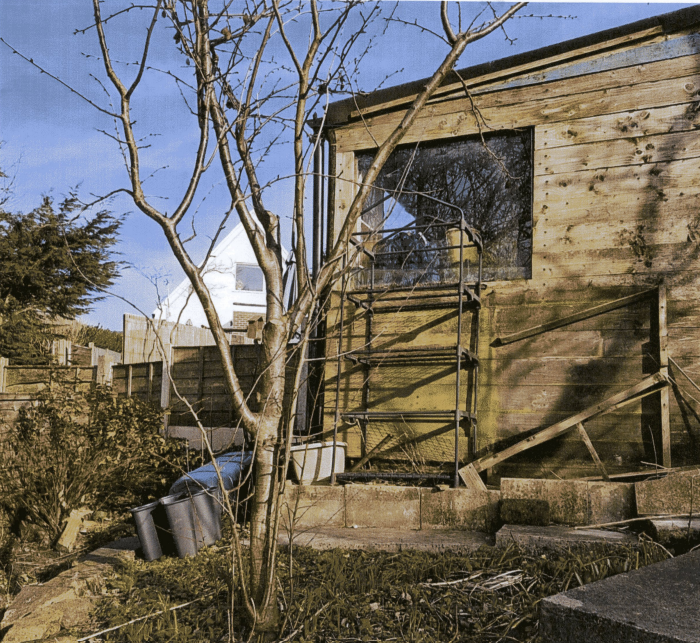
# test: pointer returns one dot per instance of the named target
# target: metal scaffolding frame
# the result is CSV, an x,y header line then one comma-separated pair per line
x,y
375,300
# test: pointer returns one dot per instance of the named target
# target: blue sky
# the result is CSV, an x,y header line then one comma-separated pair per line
x,y
50,136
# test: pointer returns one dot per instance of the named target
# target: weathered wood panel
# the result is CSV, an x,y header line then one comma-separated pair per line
x,y
675,146
616,198
609,127
456,118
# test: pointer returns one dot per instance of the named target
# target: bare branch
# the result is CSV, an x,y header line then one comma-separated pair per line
x,y
57,79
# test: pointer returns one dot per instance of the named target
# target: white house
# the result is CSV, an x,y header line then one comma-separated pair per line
x,y
235,281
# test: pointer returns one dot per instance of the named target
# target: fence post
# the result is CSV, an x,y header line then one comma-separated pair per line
x,y
166,365
104,370
3,373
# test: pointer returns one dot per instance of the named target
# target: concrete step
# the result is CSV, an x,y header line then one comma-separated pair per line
x,y
557,537
656,604
394,540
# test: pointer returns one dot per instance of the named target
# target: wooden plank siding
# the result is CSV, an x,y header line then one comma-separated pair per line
x,y
616,206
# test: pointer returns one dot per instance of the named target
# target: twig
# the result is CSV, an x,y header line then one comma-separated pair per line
x,y
143,618
295,632
630,520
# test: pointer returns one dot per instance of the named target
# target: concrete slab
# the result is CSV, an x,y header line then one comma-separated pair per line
x,y
656,604
382,506
555,537
672,532
313,506
459,509
610,502
675,494
435,540
540,502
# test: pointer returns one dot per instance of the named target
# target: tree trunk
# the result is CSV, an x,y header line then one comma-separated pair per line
x,y
269,455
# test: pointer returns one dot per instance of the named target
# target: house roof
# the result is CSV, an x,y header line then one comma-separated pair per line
x,y
343,111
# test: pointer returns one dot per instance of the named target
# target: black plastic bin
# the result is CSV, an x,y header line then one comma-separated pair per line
x,y
178,508
152,529
207,520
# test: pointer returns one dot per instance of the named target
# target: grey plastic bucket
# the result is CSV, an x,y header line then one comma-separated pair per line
x,y
179,511
207,520
145,518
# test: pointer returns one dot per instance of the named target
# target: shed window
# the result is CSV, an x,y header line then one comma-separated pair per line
x,y
249,277
491,183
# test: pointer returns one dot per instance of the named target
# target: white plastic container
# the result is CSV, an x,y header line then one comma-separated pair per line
x,y
313,461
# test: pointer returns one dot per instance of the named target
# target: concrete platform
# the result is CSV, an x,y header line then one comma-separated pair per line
x,y
656,604
557,537
372,539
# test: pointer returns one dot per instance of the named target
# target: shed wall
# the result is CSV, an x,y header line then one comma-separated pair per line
x,y
615,209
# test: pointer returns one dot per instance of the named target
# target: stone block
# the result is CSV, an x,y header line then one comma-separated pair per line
x,y
540,502
655,604
34,597
40,624
610,502
674,494
459,509
313,506
390,507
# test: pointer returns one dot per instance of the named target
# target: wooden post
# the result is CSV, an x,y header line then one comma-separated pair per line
x,y
663,369
150,381
129,373
3,373
166,364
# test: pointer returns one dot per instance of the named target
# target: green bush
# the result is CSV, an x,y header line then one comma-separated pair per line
x,y
75,449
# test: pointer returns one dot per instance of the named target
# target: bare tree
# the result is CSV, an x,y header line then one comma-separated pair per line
x,y
245,111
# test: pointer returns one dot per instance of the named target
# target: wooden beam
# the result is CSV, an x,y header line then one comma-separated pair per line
x,y
612,403
471,478
571,319
591,449
670,359
663,370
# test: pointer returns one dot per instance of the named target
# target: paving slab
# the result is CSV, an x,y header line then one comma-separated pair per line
x,y
393,540
557,537
656,604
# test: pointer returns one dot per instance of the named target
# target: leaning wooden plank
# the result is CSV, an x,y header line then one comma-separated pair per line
x,y
673,361
616,401
371,452
591,449
571,319
471,478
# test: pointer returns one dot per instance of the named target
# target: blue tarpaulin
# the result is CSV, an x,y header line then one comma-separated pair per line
x,y
232,466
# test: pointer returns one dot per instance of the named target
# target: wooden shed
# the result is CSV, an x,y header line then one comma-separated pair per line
x,y
579,167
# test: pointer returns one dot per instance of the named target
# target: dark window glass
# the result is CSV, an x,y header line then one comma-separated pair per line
x,y
491,183
249,278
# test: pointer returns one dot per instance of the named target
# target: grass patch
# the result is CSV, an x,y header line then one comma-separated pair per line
x,y
490,595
